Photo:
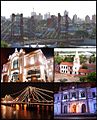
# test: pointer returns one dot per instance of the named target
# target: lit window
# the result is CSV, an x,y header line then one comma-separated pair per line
x,y
58,98
93,94
65,96
15,64
73,95
32,60
95,106
15,77
82,94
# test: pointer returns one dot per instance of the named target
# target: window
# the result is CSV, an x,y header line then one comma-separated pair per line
x,y
70,67
33,73
36,58
70,72
15,64
95,107
65,109
93,94
65,97
66,67
15,77
82,94
58,98
32,60
73,95
62,66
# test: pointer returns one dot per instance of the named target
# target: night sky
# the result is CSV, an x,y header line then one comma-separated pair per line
x,y
10,88
5,52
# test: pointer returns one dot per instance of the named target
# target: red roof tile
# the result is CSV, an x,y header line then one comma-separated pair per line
x,y
91,65
66,63
85,71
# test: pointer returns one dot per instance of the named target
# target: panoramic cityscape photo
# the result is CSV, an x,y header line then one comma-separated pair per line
x,y
48,60
41,24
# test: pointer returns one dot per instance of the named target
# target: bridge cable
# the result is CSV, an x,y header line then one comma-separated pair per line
x,y
41,96
45,94
44,90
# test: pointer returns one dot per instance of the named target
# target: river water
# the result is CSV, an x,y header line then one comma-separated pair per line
x,y
16,112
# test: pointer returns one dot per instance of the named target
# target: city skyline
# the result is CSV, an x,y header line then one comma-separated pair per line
x,y
81,10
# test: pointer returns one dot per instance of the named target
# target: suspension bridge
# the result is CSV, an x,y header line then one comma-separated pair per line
x,y
31,97
13,32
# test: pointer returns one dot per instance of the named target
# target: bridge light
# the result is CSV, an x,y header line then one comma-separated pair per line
x,y
17,107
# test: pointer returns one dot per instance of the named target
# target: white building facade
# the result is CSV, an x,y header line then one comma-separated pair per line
x,y
75,100
23,67
71,68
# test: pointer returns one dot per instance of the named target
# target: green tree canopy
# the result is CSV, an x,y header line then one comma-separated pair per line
x,y
83,59
82,33
91,77
58,59
4,44
68,59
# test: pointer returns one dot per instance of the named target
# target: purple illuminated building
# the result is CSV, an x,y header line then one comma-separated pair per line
x,y
75,99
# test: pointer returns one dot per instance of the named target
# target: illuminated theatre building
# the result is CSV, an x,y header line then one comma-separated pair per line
x,y
75,100
23,67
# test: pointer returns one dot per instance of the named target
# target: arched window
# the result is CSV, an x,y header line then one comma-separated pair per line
x,y
15,77
74,95
74,109
83,108
65,96
15,63
82,94
65,109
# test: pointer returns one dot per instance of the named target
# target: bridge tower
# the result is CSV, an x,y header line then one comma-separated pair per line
x,y
17,27
59,24
66,26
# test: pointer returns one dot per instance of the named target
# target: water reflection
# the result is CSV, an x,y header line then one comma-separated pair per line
x,y
21,112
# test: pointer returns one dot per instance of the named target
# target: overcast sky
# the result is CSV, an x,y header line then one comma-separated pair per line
x,y
81,8
76,49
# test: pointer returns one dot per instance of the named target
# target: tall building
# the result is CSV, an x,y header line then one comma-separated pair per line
x,y
22,67
65,13
33,13
46,16
93,18
75,19
39,17
75,99
87,19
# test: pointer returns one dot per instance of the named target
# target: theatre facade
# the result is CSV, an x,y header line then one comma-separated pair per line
x,y
73,100
30,67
